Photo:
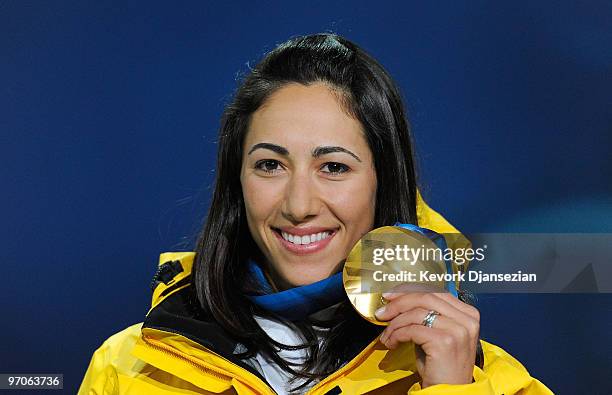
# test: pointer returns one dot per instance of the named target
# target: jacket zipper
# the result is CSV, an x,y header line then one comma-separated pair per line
x,y
349,366
209,369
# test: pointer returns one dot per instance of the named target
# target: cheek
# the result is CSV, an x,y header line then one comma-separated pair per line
x,y
355,204
259,201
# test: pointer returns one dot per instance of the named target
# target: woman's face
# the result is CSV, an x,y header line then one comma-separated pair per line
x,y
309,183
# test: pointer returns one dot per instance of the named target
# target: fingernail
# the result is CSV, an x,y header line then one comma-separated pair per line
x,y
387,294
380,311
383,337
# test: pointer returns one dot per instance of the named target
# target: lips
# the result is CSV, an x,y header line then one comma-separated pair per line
x,y
303,241
306,239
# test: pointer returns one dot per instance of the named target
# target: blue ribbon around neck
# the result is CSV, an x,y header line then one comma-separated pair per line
x,y
299,302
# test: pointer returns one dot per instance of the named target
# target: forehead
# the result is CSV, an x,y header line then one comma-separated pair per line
x,y
305,115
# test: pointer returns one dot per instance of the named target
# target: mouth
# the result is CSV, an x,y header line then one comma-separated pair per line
x,y
304,241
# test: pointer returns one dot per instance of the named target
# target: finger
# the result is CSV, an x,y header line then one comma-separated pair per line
x,y
429,302
406,318
416,317
471,321
419,334
433,341
464,307
418,288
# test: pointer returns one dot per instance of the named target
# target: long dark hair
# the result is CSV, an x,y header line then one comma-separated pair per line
x,y
221,277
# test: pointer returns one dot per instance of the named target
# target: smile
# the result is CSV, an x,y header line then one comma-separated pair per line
x,y
304,241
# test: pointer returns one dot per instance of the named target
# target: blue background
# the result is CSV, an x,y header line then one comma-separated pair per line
x,y
108,120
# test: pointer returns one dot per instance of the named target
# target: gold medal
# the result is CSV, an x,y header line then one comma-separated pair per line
x,y
387,257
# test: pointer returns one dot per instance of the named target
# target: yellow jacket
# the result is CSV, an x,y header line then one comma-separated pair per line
x,y
164,355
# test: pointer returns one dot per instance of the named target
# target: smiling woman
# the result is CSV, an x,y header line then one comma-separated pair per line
x,y
314,152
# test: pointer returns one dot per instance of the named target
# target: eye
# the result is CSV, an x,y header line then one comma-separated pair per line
x,y
334,168
268,165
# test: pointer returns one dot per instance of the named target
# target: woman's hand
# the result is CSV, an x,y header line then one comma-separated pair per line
x,y
445,351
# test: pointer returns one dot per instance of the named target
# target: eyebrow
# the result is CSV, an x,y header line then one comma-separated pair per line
x,y
317,152
272,147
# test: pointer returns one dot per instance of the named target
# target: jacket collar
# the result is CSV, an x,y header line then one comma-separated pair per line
x,y
174,328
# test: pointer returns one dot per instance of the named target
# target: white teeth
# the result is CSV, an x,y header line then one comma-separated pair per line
x,y
306,239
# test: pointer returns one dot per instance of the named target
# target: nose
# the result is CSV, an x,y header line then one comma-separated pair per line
x,y
302,200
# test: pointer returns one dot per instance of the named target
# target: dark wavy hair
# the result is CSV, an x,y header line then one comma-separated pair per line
x,y
221,277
